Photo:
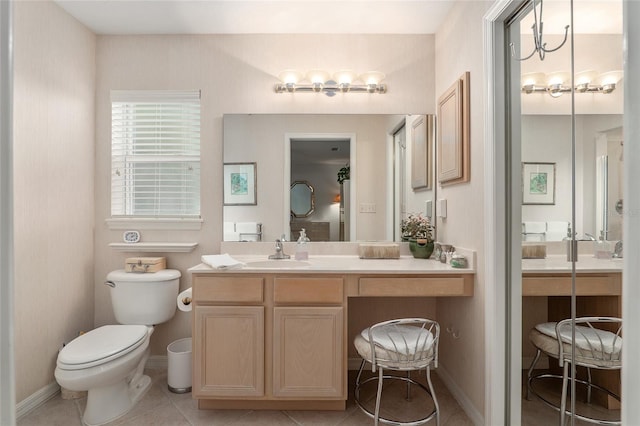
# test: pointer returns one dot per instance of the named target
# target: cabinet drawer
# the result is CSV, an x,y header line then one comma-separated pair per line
x,y
308,290
594,285
228,289
416,286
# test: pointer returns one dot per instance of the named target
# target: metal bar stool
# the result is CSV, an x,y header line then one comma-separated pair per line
x,y
407,344
594,348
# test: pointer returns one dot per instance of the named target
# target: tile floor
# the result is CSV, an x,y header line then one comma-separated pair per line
x,y
161,407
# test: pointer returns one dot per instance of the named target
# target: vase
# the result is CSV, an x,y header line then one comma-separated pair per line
x,y
420,248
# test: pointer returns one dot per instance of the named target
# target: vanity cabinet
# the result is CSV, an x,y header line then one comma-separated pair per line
x,y
278,339
264,340
308,337
228,330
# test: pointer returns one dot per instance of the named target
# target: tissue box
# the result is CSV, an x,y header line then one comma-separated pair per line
x,y
537,251
145,264
379,251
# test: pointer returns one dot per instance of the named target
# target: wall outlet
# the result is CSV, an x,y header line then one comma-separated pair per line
x,y
367,208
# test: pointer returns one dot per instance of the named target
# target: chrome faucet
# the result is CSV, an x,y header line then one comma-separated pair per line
x,y
617,251
279,251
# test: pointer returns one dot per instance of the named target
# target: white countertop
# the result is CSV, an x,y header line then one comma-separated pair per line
x,y
336,264
558,263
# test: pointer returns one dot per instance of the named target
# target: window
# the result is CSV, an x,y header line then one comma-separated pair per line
x,y
155,154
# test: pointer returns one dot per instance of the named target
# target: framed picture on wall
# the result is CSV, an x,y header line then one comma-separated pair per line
x,y
538,183
240,185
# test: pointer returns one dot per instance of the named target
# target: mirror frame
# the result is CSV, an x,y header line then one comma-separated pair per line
x,y
312,200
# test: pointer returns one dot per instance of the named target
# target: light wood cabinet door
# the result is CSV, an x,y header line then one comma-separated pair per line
x,y
308,352
228,351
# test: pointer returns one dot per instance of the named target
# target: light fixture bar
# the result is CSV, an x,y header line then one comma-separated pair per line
x,y
332,88
558,88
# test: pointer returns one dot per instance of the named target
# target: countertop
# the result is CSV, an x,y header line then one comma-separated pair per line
x,y
558,264
336,264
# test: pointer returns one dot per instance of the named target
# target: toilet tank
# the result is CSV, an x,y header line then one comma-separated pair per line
x,y
144,298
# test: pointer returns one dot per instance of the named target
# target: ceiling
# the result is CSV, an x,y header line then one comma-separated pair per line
x,y
314,16
259,16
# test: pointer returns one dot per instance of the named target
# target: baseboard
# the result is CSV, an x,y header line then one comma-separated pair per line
x,y
35,400
157,362
474,415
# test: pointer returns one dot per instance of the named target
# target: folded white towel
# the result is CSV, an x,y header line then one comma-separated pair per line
x,y
221,261
560,227
535,227
247,227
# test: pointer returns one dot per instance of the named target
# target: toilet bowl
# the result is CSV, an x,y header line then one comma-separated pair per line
x,y
108,362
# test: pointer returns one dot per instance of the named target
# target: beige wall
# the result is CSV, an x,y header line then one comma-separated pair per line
x,y
456,52
236,74
54,80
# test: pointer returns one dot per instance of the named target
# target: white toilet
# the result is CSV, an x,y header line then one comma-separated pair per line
x,y
109,361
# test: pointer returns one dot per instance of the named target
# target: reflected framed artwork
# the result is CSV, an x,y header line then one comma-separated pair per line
x,y
240,184
421,153
539,183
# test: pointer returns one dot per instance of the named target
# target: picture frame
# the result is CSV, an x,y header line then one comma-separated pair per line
x,y
538,183
421,153
453,150
240,184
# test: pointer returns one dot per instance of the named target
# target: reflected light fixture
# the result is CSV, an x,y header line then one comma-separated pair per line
x,y
320,81
557,83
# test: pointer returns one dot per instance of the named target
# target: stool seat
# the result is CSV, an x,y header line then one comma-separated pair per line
x,y
406,344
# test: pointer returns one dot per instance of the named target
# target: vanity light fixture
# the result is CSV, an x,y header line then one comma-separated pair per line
x,y
555,84
319,81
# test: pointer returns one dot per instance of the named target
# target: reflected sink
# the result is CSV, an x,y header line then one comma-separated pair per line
x,y
277,264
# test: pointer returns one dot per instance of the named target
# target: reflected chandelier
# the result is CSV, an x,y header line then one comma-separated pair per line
x,y
319,81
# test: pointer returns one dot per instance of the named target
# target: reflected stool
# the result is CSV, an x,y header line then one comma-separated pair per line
x,y
594,347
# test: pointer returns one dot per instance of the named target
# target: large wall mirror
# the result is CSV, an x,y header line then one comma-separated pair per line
x,y
359,166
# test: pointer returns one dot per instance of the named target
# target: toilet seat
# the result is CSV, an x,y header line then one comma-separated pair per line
x,y
101,345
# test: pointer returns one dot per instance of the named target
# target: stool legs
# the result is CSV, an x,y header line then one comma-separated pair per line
x,y
530,374
433,396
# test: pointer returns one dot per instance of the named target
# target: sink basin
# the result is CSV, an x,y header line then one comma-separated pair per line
x,y
277,264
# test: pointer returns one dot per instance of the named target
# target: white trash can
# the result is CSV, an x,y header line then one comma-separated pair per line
x,y
179,366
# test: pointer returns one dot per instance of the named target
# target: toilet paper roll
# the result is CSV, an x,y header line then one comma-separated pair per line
x,y
184,300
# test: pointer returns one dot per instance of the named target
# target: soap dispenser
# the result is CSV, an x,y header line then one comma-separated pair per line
x,y
302,248
602,248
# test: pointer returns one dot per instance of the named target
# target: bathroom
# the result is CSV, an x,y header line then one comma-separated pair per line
x,y
62,78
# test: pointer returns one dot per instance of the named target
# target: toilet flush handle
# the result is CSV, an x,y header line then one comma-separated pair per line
x,y
110,283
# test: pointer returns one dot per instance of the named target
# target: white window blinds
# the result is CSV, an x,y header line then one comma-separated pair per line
x,y
155,153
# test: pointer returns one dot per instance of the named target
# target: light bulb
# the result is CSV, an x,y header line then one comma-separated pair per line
x,y
372,77
290,76
344,77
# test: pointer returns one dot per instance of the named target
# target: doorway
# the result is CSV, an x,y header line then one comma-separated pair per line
x,y
320,161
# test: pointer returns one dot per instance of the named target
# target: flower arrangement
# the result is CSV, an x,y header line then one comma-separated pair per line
x,y
417,227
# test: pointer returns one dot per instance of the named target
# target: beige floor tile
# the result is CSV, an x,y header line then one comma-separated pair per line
x,y
264,418
319,418
55,412
167,415
197,417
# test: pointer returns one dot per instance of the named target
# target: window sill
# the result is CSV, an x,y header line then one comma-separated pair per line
x,y
154,223
154,247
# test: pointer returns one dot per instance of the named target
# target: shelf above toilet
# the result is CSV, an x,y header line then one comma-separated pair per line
x,y
154,247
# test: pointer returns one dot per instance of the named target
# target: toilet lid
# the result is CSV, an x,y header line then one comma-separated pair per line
x,y
101,345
